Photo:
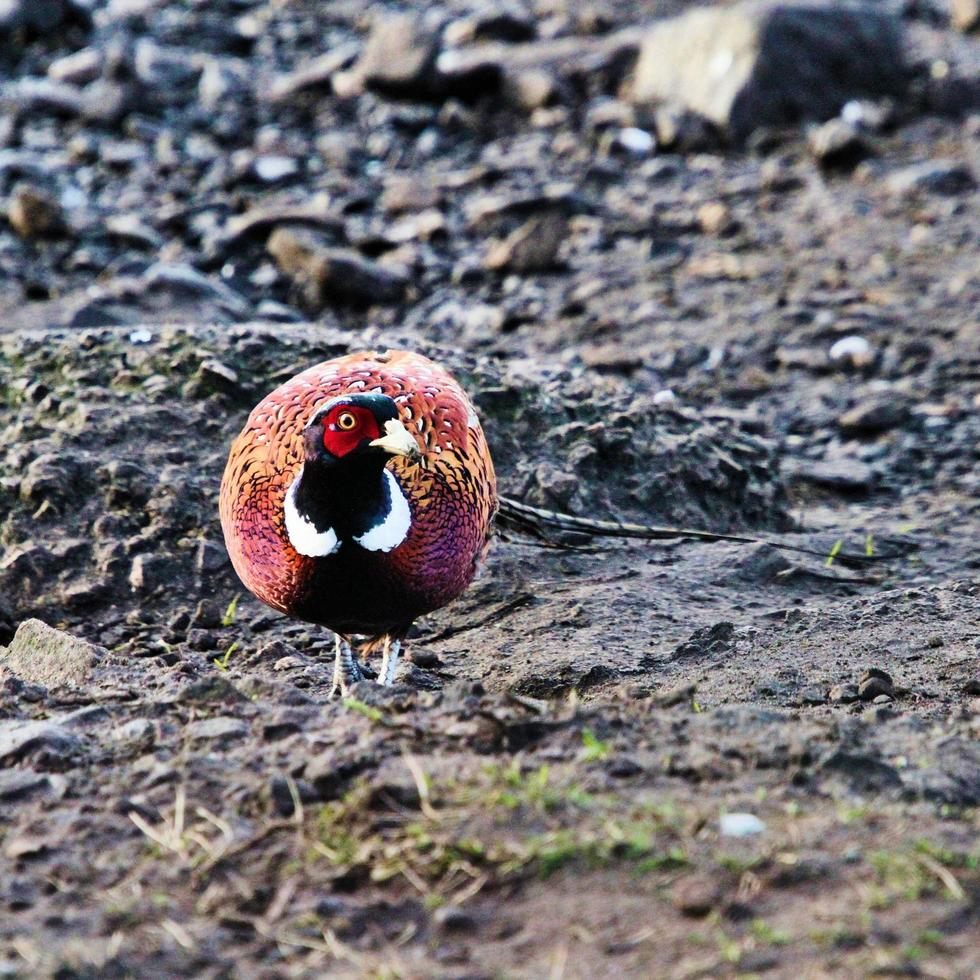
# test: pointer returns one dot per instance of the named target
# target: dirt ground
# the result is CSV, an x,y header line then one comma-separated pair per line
x,y
608,758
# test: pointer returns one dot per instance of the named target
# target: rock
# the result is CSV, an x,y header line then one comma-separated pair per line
x,y
532,88
852,350
314,74
740,825
38,18
965,14
696,895
273,167
219,729
770,64
837,145
845,475
681,131
40,654
531,248
877,414
862,773
715,218
19,739
34,213
408,193
946,177
510,26
843,693
163,68
452,918
79,67
874,683
328,275
399,56
18,784
150,573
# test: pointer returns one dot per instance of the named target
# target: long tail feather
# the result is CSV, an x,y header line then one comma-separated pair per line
x,y
537,521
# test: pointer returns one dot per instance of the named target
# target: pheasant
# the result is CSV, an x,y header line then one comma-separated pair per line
x,y
359,496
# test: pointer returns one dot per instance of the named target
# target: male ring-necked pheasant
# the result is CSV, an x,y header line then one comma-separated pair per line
x,y
359,496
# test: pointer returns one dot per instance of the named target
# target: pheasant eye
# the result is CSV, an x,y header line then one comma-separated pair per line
x,y
346,421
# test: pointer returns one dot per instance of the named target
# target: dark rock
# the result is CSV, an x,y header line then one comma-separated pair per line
x,y
40,654
151,573
843,693
877,414
862,773
452,918
216,729
533,247
34,213
844,475
770,64
706,642
328,275
19,739
679,130
696,895
933,177
874,683
838,145
19,784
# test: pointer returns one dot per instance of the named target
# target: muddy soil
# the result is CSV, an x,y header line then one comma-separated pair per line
x,y
608,758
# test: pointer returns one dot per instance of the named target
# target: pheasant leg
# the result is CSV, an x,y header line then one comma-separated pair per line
x,y
389,662
346,670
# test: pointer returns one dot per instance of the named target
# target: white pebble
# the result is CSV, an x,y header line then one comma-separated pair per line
x,y
852,348
664,397
636,141
272,168
142,336
740,825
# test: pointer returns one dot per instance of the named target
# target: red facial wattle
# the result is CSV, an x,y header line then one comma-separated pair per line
x,y
347,427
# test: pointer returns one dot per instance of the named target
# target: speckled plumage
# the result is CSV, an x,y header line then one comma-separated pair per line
x,y
451,493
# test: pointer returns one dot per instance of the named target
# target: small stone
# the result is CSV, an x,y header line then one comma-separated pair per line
x,y
845,475
947,177
216,729
681,131
740,825
40,654
965,14
665,397
531,248
18,739
633,141
34,213
843,693
399,56
882,699
452,918
207,615
533,88
408,193
696,895
878,414
852,350
77,68
273,168
874,683
149,573
333,275
715,218
837,144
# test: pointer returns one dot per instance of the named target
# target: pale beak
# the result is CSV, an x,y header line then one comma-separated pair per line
x,y
398,441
